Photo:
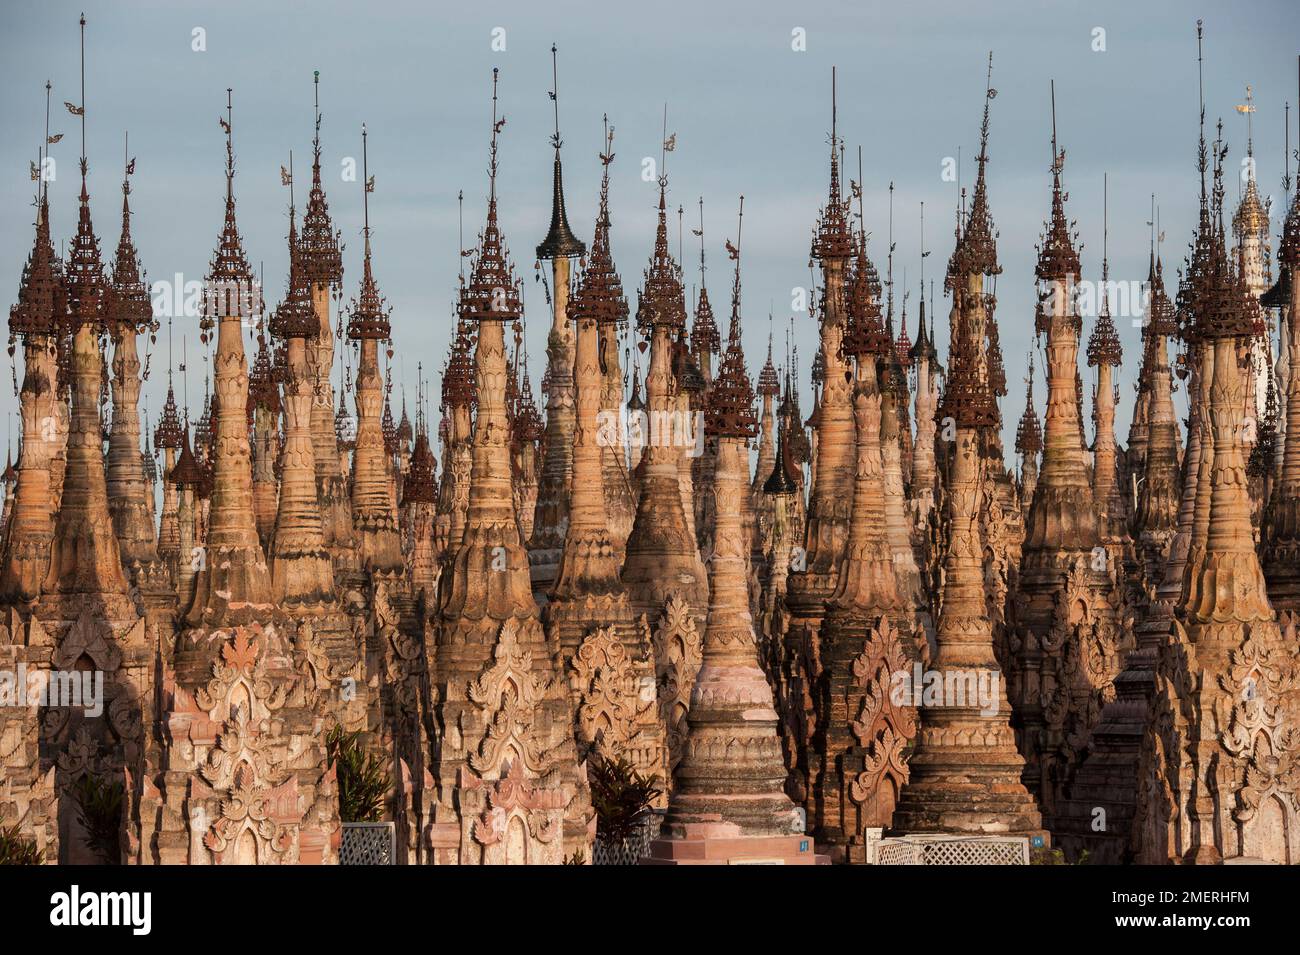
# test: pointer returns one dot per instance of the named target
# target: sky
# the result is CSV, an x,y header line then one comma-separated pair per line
x,y
747,88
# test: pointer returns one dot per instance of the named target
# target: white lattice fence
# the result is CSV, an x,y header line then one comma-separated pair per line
x,y
949,850
368,843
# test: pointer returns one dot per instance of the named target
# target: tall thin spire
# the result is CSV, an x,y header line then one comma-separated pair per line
x,y
1104,345
560,240
832,240
85,271
319,243
368,315
704,333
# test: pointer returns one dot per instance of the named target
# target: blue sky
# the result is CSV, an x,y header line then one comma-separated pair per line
x,y
751,116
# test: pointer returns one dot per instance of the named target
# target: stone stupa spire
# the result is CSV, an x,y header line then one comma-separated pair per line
x,y
607,655
728,803
1105,354
560,248
509,787
1066,589
830,503
129,315
233,584
36,320
663,561
302,574
84,557
1281,532
322,268
964,772
1155,516
374,518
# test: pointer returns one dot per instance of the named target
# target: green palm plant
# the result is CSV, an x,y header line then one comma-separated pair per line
x,y
99,807
621,797
16,849
363,779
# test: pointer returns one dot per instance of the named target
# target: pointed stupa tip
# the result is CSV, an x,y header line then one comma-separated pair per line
x,y
781,481
1029,434
528,426
1224,304
977,250
492,293
599,297
322,260
768,381
404,430
704,332
388,427
1057,256
186,472
560,242
368,312
85,279
42,294
903,343
129,304
458,379
832,239
730,412
169,431
865,334
420,486
230,279
263,389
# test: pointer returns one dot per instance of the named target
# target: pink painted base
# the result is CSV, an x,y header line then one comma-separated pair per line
x,y
759,850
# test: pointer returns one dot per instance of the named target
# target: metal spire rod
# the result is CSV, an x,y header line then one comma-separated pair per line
x,y
83,96
1200,88
663,148
1152,224
1286,154
555,97
701,235
460,248
923,247
1055,170
42,188
230,143
862,214
492,166
365,190
889,260
1105,228
834,111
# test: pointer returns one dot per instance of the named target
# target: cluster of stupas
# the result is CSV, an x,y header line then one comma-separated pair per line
x,y
671,568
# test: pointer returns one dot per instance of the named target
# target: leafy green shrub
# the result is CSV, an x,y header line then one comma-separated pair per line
x,y
620,795
1046,856
363,779
99,806
15,849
